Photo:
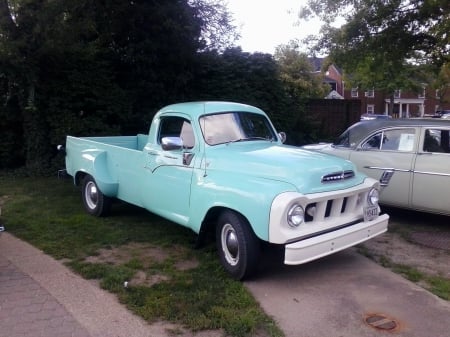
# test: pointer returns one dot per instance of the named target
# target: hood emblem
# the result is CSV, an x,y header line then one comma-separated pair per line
x,y
338,176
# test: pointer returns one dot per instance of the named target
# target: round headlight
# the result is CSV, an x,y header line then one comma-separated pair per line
x,y
295,216
373,197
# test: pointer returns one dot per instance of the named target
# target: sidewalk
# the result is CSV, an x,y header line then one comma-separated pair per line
x,y
41,297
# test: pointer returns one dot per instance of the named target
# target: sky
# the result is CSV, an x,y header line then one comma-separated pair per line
x,y
265,24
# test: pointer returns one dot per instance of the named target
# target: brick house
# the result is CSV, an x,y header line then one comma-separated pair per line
x,y
406,103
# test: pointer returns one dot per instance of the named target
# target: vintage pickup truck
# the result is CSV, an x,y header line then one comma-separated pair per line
x,y
220,167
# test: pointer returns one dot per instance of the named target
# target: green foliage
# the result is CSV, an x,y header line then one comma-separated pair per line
x,y
105,67
384,45
90,67
297,73
218,31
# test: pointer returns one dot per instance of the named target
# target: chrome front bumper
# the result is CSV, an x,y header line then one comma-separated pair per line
x,y
322,245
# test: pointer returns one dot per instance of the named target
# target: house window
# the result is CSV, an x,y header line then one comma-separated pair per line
x,y
397,93
370,108
369,93
354,92
422,93
438,94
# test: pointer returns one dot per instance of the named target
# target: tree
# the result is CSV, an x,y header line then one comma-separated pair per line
x,y
91,67
297,73
383,43
218,31
301,83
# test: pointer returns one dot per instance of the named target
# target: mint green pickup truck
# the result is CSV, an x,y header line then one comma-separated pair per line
x,y
221,167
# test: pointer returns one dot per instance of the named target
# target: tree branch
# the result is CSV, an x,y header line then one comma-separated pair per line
x,y
7,25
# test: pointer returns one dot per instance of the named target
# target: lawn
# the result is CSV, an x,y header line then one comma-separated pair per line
x,y
167,278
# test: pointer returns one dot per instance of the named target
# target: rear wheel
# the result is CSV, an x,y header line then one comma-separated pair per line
x,y
237,245
95,202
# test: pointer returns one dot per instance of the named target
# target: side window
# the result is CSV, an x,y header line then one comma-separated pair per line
x,y
177,127
436,140
373,142
392,140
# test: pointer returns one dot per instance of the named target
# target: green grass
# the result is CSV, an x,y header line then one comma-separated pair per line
x,y
438,285
49,214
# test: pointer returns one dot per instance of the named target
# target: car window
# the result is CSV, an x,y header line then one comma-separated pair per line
x,y
391,140
177,127
436,140
236,126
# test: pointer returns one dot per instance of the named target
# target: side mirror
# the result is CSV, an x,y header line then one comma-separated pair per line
x,y
171,143
282,136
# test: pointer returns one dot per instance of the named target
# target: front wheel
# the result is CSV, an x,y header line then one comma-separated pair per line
x,y
237,245
95,202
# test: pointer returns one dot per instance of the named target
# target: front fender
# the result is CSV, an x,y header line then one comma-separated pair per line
x,y
250,196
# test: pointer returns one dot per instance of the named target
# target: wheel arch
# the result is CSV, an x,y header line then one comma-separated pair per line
x,y
95,164
209,223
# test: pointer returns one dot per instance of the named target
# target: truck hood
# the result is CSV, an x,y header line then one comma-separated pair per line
x,y
303,169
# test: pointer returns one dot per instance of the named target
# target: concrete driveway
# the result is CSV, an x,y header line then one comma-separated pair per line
x,y
347,294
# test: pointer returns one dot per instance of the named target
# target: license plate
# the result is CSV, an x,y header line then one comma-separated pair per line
x,y
370,213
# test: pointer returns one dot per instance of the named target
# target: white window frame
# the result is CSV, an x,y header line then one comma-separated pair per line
x,y
354,92
370,109
370,93
398,93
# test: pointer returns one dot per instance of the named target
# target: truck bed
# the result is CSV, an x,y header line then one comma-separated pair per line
x,y
130,142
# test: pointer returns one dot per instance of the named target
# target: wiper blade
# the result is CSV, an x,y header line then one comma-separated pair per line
x,y
250,138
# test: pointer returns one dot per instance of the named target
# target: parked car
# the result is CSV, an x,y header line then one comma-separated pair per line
x,y
374,116
410,157
445,114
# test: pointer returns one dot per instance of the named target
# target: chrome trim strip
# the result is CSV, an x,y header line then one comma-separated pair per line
x,y
387,168
413,171
433,173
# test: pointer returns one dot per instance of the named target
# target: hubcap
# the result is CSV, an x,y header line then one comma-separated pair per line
x,y
91,195
230,244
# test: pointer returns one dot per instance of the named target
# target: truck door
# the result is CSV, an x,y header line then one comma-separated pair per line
x,y
167,186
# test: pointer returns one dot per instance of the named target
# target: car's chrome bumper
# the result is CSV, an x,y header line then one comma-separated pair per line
x,y
322,245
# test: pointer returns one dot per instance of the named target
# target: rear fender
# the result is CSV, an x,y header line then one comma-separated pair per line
x,y
94,163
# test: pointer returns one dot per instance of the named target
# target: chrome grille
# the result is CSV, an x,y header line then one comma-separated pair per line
x,y
333,208
338,176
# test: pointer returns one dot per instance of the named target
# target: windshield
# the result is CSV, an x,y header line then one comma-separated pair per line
x,y
353,135
236,126
343,140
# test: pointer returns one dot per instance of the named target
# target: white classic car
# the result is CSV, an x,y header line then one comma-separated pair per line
x,y
410,157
